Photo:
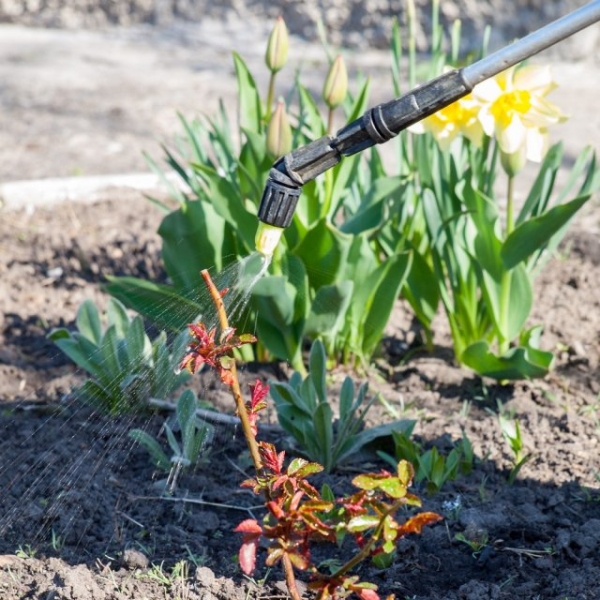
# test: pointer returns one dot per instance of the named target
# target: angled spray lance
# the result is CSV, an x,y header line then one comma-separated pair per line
x,y
383,122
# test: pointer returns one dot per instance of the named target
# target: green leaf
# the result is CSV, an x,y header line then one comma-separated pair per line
x,y
318,371
88,322
538,196
382,300
83,353
186,417
372,435
372,208
328,310
109,349
323,427
520,302
302,468
161,460
160,303
323,250
248,97
421,289
285,394
392,487
117,316
535,233
228,203
195,237
522,362
138,343
346,398
99,397
362,523
310,117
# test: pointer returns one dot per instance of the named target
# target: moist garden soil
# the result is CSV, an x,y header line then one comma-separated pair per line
x,y
85,516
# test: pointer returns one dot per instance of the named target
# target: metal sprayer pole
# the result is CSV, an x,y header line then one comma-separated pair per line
x,y
532,44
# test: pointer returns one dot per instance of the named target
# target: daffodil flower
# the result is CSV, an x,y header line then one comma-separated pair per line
x,y
515,111
459,118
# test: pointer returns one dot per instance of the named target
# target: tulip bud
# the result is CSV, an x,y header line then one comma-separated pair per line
x,y
336,84
279,132
277,48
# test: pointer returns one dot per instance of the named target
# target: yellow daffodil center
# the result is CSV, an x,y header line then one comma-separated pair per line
x,y
506,105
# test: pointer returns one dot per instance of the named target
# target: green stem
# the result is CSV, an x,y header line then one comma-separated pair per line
x,y
270,97
504,342
510,217
330,121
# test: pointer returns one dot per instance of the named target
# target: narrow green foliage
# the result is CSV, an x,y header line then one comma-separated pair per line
x,y
430,466
511,431
304,411
126,368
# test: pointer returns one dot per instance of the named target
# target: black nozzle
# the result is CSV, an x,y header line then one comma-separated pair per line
x,y
278,203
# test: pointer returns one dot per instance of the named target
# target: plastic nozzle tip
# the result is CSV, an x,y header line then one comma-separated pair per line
x,y
267,238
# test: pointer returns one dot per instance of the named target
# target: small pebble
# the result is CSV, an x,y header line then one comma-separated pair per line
x,y
134,559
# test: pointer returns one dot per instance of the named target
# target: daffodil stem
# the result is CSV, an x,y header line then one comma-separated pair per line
x,y
510,205
504,342
235,386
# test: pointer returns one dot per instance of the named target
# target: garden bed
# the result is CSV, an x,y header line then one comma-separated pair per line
x,y
83,514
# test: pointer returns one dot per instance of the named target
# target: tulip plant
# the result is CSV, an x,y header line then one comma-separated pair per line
x,y
327,280
297,514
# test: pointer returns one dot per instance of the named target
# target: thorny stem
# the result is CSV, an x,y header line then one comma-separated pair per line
x,y
290,578
235,386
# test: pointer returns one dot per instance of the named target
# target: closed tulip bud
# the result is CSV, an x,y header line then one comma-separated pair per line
x,y
279,132
336,84
277,48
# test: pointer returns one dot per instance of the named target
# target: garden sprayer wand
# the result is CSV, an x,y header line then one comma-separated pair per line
x,y
385,121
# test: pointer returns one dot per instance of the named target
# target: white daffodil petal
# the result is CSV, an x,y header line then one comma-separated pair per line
x,y
534,78
548,110
474,132
512,137
487,121
537,144
487,91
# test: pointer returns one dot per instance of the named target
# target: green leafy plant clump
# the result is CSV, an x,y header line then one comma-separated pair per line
x,y
431,466
305,413
126,367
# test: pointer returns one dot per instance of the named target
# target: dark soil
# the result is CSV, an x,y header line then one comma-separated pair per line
x,y
84,515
